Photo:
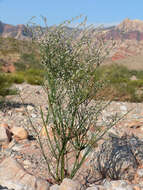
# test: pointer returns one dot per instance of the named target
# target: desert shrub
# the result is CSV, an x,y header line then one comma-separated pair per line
x,y
139,74
36,72
136,83
34,80
17,78
114,73
5,84
31,76
27,61
120,85
71,62
20,66
34,76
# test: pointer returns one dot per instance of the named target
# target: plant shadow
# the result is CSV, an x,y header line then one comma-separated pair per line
x,y
8,105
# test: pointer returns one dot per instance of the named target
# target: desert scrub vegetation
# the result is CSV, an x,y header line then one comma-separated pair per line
x,y
70,84
30,76
23,54
27,61
5,84
120,84
26,58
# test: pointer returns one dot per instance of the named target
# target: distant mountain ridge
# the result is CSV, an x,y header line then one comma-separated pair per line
x,y
17,32
128,35
127,29
131,25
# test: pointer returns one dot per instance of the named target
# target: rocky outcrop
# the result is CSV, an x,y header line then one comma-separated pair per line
x,y
8,68
128,25
12,175
127,30
128,36
18,31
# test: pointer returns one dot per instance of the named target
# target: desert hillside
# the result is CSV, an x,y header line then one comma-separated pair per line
x,y
128,36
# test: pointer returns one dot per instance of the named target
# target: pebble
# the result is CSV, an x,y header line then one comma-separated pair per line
x,y
54,187
17,147
123,108
26,162
140,172
33,115
30,108
92,188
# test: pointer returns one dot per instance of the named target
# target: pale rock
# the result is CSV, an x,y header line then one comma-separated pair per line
x,y
112,132
12,175
33,115
5,135
123,108
20,88
117,185
11,144
139,176
133,78
26,162
137,187
21,109
29,108
140,172
16,147
19,133
54,187
135,116
92,188
10,113
5,125
69,184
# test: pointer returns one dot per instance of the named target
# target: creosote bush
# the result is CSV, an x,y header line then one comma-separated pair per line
x,y
70,61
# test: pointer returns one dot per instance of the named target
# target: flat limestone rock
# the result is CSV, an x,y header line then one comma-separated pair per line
x,y
12,175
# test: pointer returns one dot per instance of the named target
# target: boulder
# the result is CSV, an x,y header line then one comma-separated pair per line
x,y
12,175
19,133
69,184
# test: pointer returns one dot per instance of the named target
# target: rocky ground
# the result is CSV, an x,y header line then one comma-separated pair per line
x,y
22,150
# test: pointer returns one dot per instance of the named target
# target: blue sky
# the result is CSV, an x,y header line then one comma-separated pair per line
x,y
98,11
